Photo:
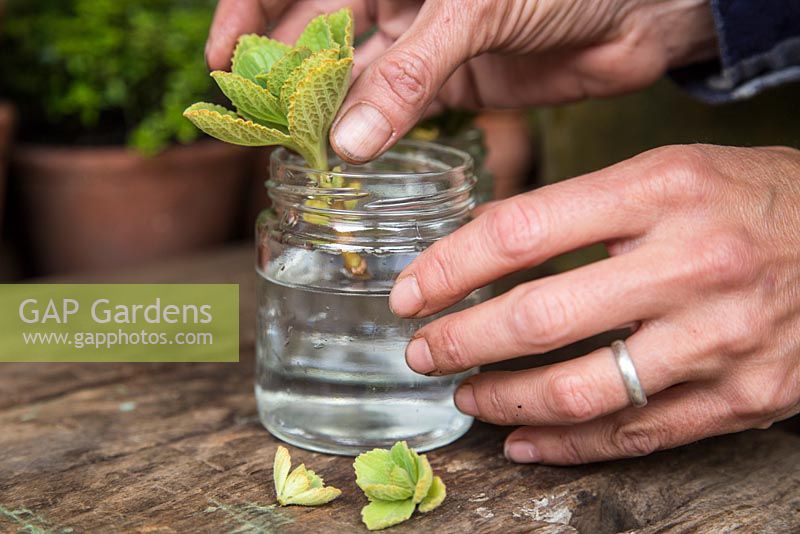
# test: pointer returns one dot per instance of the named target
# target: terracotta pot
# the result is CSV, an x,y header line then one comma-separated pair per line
x,y
91,209
6,130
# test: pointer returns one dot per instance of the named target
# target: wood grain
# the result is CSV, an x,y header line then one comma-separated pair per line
x,y
159,448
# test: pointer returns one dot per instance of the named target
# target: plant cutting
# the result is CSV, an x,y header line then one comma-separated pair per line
x,y
104,179
288,96
302,486
396,482
284,95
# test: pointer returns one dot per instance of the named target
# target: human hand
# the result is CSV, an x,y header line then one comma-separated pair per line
x,y
480,53
705,257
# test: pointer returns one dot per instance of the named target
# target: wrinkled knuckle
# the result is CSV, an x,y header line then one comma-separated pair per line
x,y
635,439
682,174
743,332
783,401
446,348
492,405
437,280
692,158
724,260
570,399
759,400
542,319
572,452
515,229
406,76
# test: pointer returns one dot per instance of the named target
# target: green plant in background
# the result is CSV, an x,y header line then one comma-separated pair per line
x,y
396,482
284,95
101,71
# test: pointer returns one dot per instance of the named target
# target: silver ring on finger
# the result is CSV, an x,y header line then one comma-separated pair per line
x,y
628,371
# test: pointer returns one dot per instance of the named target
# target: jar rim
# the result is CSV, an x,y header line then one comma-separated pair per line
x,y
463,163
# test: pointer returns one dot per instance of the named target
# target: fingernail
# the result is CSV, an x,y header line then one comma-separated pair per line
x,y
362,132
521,452
465,400
406,298
418,356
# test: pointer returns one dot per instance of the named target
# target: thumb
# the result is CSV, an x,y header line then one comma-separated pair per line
x,y
392,93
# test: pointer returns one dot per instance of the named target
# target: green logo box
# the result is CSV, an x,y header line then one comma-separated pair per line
x,y
119,323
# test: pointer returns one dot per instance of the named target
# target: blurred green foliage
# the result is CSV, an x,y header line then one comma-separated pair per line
x,y
106,70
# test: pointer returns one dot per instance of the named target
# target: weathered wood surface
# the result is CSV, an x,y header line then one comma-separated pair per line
x,y
158,448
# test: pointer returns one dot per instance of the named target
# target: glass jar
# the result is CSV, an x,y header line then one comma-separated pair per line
x,y
331,373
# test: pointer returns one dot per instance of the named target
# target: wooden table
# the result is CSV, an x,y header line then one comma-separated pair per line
x,y
158,448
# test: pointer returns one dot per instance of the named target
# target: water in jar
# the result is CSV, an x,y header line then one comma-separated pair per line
x,y
331,371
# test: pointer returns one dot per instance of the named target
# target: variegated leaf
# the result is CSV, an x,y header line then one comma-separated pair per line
x,y
435,496
255,54
280,468
313,497
313,106
386,492
205,106
378,515
231,129
403,456
314,480
308,65
296,483
424,478
373,467
250,99
283,68
316,35
400,477
341,25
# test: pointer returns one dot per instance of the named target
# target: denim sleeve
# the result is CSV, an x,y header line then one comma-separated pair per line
x,y
759,48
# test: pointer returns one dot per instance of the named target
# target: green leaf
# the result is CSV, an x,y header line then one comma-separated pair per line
x,y
387,492
381,514
314,497
341,25
231,129
255,54
280,468
400,477
306,67
425,478
435,496
405,458
250,98
296,483
302,486
395,482
282,69
313,106
314,480
284,129
317,35
373,467
205,106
